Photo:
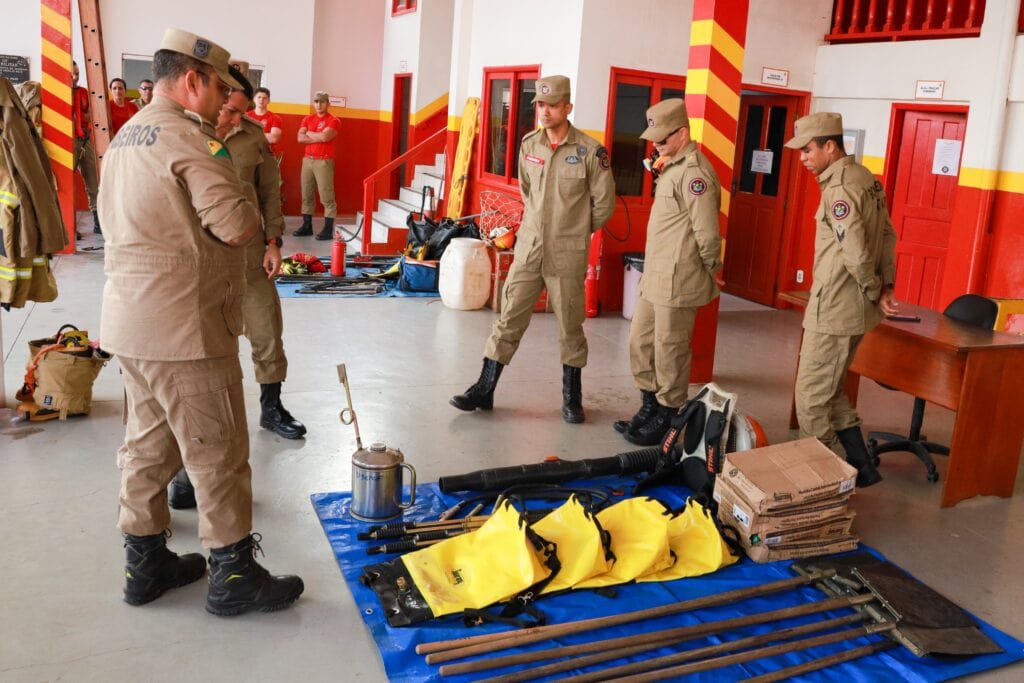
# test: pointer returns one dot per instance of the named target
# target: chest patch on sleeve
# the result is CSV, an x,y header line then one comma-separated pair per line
x,y
572,159
840,231
698,186
602,158
217,149
840,209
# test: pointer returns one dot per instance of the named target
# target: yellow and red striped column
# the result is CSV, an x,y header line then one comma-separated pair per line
x,y
713,81
58,137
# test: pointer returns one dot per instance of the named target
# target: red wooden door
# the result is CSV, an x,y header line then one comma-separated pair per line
x,y
922,204
759,190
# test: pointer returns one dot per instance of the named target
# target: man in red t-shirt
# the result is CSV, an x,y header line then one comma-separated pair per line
x,y
85,154
271,122
317,132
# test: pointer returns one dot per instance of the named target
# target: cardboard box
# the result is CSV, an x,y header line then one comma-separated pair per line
x,y
738,513
501,261
786,475
832,529
801,549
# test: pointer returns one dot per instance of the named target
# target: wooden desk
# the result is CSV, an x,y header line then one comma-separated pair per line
x,y
976,372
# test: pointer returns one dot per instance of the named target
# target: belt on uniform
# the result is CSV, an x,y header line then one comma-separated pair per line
x,y
318,158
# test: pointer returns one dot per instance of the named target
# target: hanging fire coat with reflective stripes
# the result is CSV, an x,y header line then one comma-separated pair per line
x,y
29,215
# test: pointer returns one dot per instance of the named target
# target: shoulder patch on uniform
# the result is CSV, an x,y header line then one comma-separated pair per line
x,y
603,159
217,149
840,209
698,186
581,151
877,186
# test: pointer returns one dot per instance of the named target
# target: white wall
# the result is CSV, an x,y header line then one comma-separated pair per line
x,y
401,52
20,35
785,34
649,35
435,54
348,46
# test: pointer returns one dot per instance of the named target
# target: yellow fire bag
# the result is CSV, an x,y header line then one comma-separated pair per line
x,y
696,543
639,531
583,546
498,561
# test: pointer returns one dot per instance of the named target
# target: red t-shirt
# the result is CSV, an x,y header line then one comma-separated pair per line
x,y
79,107
317,124
269,121
120,115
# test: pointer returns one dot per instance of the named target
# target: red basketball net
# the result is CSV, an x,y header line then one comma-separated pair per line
x,y
499,210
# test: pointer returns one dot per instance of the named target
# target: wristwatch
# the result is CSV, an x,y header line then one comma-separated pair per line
x,y
277,242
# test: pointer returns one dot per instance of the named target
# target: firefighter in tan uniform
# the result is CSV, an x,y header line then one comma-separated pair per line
x,y
178,219
682,256
262,323
568,193
853,278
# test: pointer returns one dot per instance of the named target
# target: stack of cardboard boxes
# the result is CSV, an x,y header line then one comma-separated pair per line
x,y
788,501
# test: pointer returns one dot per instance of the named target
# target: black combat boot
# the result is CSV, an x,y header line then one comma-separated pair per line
x,y
182,495
481,394
648,403
857,455
653,431
238,583
328,232
274,417
306,229
152,569
96,224
572,394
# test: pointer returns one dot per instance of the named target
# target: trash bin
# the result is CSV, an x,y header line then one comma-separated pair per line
x,y
634,262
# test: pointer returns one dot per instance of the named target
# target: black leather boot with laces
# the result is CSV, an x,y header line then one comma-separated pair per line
x,y
152,569
239,584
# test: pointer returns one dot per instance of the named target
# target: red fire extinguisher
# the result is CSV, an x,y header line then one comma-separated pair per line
x,y
591,304
338,255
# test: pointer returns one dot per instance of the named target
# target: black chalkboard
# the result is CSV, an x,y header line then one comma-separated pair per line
x,y
14,68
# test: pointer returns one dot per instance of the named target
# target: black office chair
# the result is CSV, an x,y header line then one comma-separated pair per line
x,y
972,309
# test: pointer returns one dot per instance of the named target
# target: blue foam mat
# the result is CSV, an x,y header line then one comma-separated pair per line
x,y
397,645
288,290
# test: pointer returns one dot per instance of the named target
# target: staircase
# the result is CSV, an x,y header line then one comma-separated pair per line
x,y
387,231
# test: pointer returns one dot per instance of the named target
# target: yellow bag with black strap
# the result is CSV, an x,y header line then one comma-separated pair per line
x,y
639,541
696,543
502,560
584,548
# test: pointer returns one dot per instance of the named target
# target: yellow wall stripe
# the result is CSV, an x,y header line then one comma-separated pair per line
x,y
429,110
703,82
57,22
713,139
708,32
455,123
59,154
874,164
980,178
1010,181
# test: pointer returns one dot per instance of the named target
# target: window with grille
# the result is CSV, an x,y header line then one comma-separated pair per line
x,y
632,93
508,115
877,20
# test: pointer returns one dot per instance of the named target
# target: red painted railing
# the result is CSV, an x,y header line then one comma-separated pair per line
x,y
434,144
858,21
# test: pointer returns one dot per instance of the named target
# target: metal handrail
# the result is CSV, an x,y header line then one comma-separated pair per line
x,y
370,182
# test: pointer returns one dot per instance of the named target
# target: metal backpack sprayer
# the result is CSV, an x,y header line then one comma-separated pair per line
x,y
376,472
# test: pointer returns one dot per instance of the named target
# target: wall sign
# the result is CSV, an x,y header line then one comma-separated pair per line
x,y
403,66
929,90
776,77
946,160
761,161
338,101
14,68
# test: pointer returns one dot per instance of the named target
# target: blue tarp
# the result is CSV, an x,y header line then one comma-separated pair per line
x,y
397,645
289,290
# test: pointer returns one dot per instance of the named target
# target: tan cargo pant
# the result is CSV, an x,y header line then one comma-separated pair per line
x,y
187,413
822,407
262,323
318,176
659,350
87,165
524,284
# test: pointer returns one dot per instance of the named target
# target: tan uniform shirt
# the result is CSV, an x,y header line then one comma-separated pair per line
x,y
257,167
168,198
854,251
684,245
568,193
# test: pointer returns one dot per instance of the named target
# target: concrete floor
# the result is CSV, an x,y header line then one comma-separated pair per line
x,y
60,572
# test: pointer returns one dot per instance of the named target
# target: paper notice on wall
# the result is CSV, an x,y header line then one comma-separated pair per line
x,y
761,162
947,157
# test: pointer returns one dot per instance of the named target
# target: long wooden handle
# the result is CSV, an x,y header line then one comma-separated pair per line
x,y
675,634
667,660
506,639
824,662
759,653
